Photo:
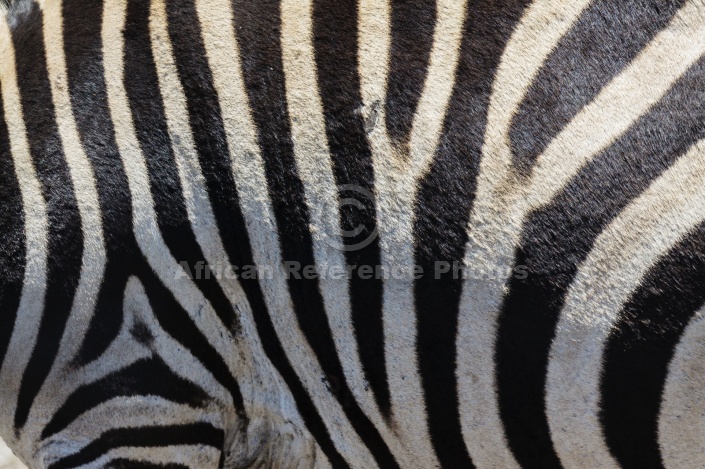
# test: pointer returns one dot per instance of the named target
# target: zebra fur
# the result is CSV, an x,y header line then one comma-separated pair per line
x,y
551,152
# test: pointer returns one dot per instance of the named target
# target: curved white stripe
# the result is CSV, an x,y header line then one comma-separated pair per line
x,y
621,255
255,374
133,412
629,95
315,169
191,456
136,412
36,232
216,20
396,183
682,417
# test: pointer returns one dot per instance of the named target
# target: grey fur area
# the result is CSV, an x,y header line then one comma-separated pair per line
x,y
15,10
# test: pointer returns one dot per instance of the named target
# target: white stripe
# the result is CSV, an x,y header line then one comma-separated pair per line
x,y
249,174
622,254
216,18
135,412
36,231
315,168
84,183
191,456
396,185
682,418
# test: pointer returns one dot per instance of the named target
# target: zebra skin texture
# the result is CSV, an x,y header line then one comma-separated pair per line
x,y
352,233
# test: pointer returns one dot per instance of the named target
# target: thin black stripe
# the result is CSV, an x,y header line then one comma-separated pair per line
x,y
12,239
604,40
65,243
558,237
259,27
412,27
641,347
443,208
147,377
202,434
336,45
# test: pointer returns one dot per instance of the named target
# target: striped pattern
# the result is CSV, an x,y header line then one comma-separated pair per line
x,y
554,150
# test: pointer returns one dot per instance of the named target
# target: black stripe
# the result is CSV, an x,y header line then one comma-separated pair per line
x,y
202,434
443,209
559,236
65,243
259,27
12,239
147,377
604,40
641,347
412,26
123,463
336,45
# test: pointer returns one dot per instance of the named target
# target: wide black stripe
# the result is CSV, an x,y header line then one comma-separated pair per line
x,y
560,236
203,434
65,243
412,26
12,239
443,208
336,45
86,83
259,27
147,377
146,104
605,39
641,347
